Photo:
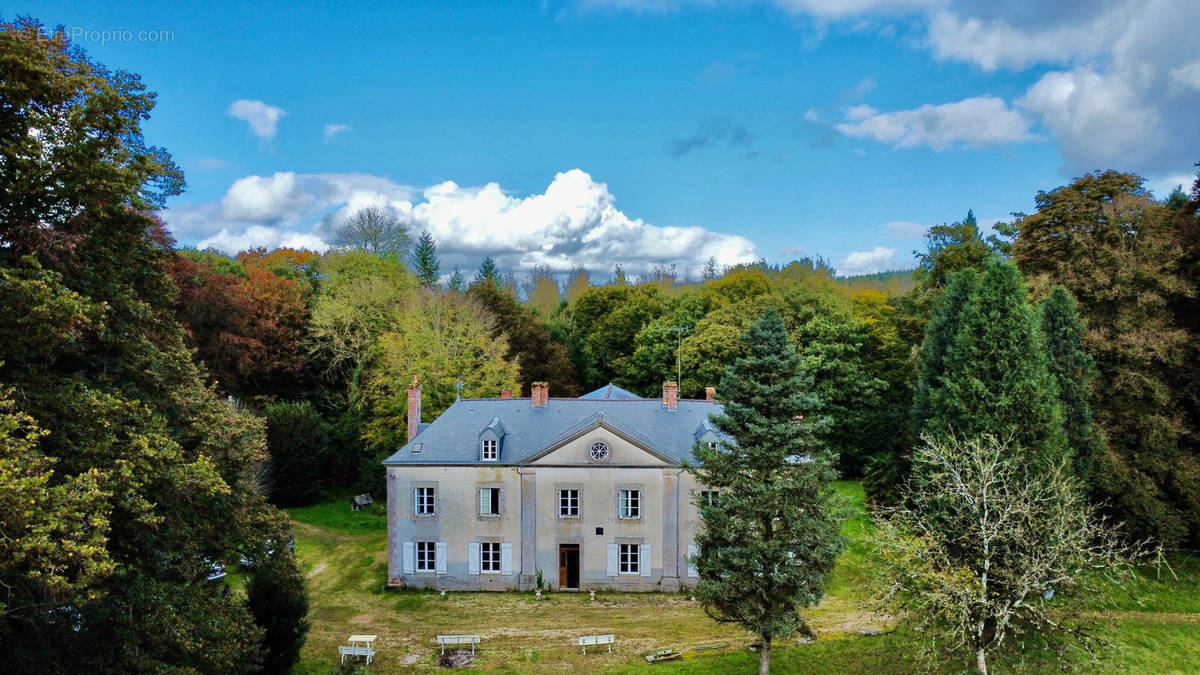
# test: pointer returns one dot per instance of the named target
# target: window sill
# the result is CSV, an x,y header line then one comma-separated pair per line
x,y
561,516
634,518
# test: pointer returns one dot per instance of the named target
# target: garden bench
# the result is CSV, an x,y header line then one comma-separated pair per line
x,y
456,640
592,640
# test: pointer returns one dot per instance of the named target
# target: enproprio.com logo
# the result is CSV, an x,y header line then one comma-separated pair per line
x,y
105,36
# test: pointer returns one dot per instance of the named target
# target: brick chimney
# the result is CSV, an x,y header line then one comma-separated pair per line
x,y
710,393
414,407
670,395
506,393
539,394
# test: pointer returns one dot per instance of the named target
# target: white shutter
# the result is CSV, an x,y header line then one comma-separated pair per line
x,y
410,556
644,560
612,560
693,553
506,558
473,557
485,501
441,557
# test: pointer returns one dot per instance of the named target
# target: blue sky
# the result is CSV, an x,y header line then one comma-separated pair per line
x,y
648,132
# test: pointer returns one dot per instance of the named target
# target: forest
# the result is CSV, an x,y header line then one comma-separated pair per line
x,y
160,405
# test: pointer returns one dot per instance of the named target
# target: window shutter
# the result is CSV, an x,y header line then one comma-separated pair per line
x,y
644,560
485,501
410,557
693,553
506,558
473,557
612,560
441,557
416,501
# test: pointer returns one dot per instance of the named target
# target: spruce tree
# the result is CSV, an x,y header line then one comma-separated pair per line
x,y
1072,369
488,272
425,260
995,378
771,537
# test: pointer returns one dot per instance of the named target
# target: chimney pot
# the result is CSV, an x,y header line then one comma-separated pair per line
x,y
710,393
414,407
670,395
539,394
506,393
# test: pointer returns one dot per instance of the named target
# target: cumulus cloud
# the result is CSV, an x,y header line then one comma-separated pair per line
x,y
974,123
261,117
1128,83
878,259
332,130
574,221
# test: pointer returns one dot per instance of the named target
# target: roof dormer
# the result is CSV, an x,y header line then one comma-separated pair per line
x,y
491,441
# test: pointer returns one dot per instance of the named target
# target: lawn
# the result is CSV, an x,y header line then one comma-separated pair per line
x,y
344,557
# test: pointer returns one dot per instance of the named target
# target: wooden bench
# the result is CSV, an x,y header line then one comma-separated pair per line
x,y
355,651
593,640
457,640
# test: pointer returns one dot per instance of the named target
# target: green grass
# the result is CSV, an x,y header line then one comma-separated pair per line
x,y
344,555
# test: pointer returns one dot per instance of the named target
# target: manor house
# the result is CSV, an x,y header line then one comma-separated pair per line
x,y
583,493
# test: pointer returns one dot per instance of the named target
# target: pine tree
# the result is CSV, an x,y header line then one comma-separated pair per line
x,y
487,271
1072,369
457,283
425,260
771,536
996,379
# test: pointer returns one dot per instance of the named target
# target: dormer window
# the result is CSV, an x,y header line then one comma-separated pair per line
x,y
489,450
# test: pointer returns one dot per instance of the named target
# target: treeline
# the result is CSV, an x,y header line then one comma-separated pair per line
x,y
335,339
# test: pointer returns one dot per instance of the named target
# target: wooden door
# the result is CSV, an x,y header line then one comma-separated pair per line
x,y
568,566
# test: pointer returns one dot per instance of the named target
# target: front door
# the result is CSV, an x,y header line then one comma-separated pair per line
x,y
568,567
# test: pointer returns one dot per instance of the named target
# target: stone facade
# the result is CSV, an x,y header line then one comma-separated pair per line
x,y
598,506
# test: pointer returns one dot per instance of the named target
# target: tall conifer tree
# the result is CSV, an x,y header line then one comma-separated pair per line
x,y
996,379
425,260
1072,369
771,536
939,336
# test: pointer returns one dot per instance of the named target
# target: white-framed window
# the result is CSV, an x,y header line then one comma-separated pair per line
x,y
629,504
489,557
629,559
707,497
568,503
426,556
489,450
489,501
712,445
424,501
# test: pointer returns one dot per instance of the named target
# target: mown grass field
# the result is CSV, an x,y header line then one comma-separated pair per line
x,y
344,556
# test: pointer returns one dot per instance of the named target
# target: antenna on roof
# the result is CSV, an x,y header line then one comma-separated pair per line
x,y
458,390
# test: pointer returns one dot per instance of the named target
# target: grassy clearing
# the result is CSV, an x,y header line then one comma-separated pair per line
x,y
344,556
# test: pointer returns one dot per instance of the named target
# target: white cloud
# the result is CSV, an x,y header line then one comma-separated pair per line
x,y
266,200
993,44
878,259
1165,185
905,230
261,117
974,123
828,9
1186,77
257,236
332,130
210,163
575,221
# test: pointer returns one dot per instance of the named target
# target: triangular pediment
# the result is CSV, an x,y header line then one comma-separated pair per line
x,y
575,448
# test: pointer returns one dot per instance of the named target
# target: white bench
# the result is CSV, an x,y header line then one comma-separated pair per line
x,y
456,640
593,640
355,651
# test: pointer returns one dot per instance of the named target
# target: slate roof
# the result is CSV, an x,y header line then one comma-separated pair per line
x,y
611,392
453,438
